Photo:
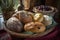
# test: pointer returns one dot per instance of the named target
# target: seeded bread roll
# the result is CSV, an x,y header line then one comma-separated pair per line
x,y
14,24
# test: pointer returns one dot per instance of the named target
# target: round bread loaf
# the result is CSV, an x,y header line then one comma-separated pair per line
x,y
14,24
26,17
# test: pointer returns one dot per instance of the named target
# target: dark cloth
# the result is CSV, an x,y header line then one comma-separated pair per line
x,y
4,35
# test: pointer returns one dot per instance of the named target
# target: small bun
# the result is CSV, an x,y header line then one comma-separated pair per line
x,y
47,20
36,27
14,24
26,17
38,17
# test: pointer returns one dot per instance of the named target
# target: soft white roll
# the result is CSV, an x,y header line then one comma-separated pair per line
x,y
47,20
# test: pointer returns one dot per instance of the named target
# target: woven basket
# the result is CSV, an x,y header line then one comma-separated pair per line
x,y
50,12
22,35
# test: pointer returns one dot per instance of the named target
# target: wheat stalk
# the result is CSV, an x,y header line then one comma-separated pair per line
x,y
6,4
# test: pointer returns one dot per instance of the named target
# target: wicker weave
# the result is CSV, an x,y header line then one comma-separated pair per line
x,y
22,35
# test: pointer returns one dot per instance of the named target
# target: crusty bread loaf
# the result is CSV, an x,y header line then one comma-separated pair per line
x,y
14,24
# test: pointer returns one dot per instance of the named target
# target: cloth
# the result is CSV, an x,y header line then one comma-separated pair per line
x,y
4,35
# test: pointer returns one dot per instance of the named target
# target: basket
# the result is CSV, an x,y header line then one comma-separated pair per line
x,y
22,35
46,10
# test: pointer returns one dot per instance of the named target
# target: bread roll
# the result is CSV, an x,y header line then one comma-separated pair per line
x,y
14,24
47,20
38,17
26,17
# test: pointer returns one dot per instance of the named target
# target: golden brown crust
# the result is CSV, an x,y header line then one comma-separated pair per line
x,y
26,17
36,27
38,17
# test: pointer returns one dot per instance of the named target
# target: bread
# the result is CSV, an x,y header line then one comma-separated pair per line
x,y
38,17
14,24
35,27
47,20
25,17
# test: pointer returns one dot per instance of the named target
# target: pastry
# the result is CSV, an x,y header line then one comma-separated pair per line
x,y
35,27
38,17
